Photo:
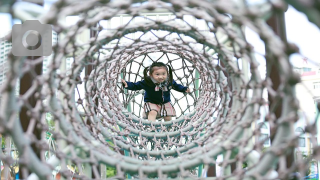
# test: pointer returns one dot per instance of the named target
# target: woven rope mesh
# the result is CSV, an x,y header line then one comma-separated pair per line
x,y
102,126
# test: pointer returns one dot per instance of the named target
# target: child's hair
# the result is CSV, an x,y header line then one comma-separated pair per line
x,y
156,64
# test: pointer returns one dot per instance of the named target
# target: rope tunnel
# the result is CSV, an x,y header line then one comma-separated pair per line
x,y
98,124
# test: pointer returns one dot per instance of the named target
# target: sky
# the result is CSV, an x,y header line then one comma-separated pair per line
x,y
299,31
303,33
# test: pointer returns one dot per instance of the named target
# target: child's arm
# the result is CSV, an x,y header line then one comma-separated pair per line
x,y
179,87
133,86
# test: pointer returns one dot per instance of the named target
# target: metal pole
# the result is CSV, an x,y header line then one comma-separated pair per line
x,y
200,167
318,129
1,150
196,87
25,84
232,166
88,69
126,153
7,152
277,23
197,76
61,143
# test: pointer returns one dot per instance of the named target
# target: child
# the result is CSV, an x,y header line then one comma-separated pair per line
x,y
157,91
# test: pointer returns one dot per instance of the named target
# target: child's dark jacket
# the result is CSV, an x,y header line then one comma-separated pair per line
x,y
156,97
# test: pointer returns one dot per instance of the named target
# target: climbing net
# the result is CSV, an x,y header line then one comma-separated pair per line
x,y
94,126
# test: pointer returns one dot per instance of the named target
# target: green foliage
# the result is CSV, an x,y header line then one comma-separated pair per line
x,y
111,171
111,144
50,121
75,168
307,156
244,165
264,149
51,125
3,142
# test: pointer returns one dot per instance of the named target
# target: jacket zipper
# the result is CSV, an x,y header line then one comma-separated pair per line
x,y
162,97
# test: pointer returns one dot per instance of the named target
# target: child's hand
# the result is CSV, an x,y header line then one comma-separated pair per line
x,y
188,90
124,83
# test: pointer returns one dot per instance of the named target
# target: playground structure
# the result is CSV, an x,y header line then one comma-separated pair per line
x,y
99,127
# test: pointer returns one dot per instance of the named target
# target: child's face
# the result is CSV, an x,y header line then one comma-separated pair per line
x,y
159,74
